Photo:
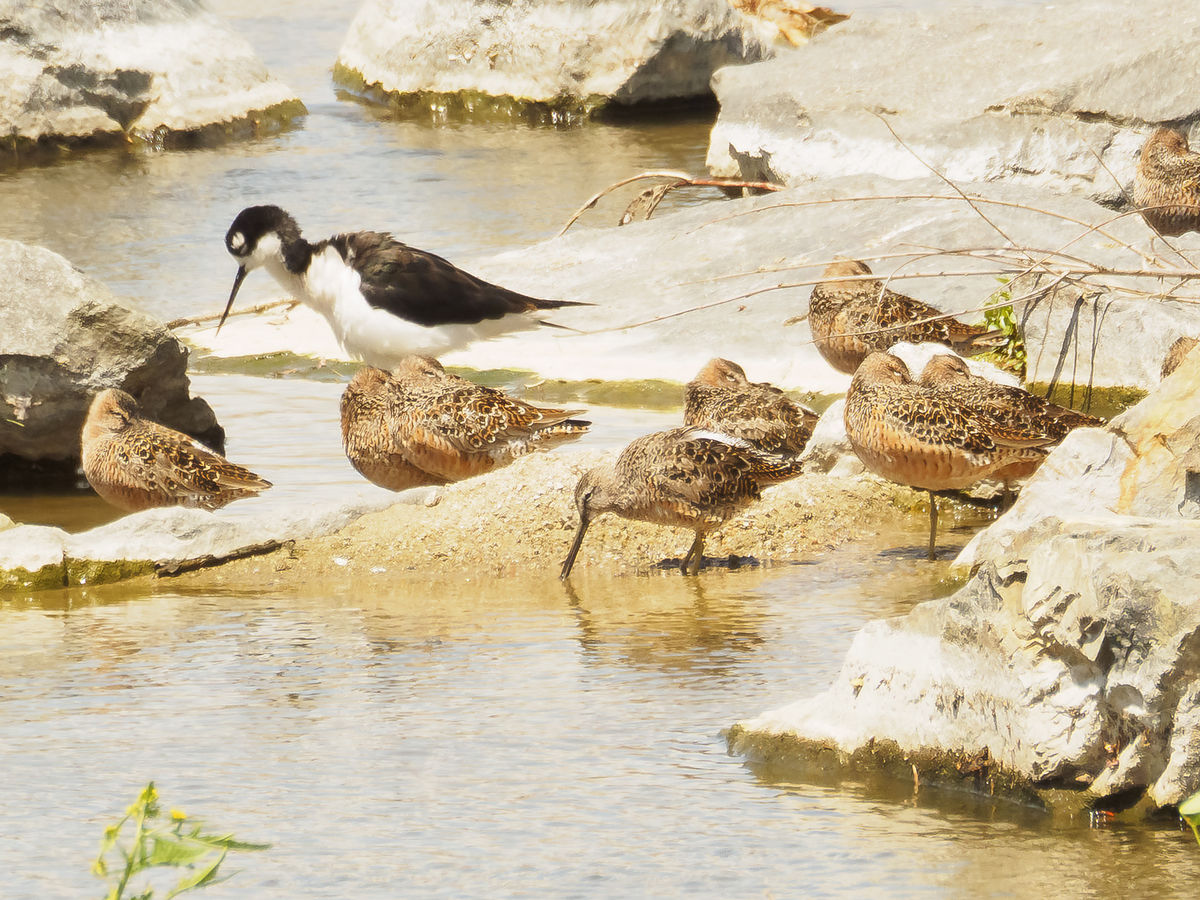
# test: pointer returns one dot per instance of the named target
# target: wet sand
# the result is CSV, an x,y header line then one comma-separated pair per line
x,y
520,520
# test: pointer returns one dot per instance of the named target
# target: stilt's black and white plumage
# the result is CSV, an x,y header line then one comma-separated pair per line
x,y
383,299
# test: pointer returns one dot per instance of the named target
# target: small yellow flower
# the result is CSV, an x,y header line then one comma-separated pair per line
x,y
178,815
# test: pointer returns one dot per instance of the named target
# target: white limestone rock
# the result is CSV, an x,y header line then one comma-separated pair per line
x,y
71,69
555,52
1023,92
1070,659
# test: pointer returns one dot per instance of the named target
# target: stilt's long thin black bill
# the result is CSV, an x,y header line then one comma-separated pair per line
x,y
237,283
569,562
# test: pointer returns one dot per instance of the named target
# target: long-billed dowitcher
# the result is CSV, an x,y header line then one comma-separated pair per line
x,y
421,425
685,477
383,299
720,398
850,319
1176,354
927,438
1166,187
1008,404
136,464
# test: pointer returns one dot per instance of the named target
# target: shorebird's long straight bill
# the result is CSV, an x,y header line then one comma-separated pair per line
x,y
237,283
569,562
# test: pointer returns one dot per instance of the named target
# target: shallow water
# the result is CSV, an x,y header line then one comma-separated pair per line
x,y
503,738
466,737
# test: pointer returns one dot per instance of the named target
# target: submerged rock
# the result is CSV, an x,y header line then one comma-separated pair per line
x,y
1068,667
63,338
549,58
1048,95
163,71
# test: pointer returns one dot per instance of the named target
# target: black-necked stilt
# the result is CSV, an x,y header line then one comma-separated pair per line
x,y
383,299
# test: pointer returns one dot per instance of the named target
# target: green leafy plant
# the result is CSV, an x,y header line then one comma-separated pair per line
x,y
1000,316
1189,811
173,841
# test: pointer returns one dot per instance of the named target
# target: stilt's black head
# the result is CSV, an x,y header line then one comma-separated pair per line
x,y
258,234
253,224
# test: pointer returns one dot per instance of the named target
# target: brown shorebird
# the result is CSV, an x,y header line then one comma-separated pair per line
x,y
850,319
721,399
1166,187
1010,406
420,425
928,438
136,464
1176,354
685,477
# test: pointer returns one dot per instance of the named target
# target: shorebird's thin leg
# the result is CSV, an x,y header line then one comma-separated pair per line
x,y
691,562
933,516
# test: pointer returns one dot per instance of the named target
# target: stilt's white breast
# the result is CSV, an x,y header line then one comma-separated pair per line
x,y
377,336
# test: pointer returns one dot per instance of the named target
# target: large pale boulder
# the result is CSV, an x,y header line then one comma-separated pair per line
x,y
165,71
1068,667
63,338
734,272
1053,95
565,55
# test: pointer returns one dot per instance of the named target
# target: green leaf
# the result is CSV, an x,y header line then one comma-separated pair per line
x,y
1190,808
204,876
165,851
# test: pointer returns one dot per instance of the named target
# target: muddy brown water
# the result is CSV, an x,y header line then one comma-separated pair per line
x,y
464,737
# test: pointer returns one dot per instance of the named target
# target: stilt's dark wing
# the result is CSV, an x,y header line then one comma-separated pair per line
x,y
424,288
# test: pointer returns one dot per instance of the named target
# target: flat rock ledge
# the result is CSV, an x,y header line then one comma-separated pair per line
x,y
540,60
1066,673
63,338
734,271
1047,95
161,72
157,543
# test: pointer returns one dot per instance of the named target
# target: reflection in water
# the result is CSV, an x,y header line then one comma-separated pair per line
x,y
498,736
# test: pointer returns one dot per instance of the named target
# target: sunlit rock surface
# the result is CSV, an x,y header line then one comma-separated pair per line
x,y
35,557
1024,92
63,338
569,54
151,69
721,279
1070,660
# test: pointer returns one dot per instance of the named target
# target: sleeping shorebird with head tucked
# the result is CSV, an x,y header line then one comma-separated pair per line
x,y
383,299
932,439
137,464
721,398
852,318
1008,404
685,477
1166,187
421,425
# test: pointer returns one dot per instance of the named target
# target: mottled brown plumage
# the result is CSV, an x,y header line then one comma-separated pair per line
x,y
850,319
137,464
1166,187
1176,354
929,438
1003,403
421,425
685,477
720,398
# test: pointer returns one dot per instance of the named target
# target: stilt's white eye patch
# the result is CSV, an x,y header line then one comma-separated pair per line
x,y
236,242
